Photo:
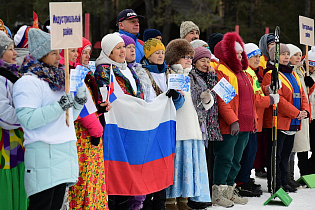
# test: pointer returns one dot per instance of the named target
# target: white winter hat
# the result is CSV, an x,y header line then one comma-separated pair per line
x,y
198,43
109,42
311,56
293,49
251,50
238,47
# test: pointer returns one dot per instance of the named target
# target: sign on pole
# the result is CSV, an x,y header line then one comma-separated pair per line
x,y
66,24
306,30
66,32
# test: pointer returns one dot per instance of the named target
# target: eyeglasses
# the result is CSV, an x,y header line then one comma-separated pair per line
x,y
187,57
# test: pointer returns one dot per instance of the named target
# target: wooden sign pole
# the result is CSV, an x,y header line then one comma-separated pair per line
x,y
67,82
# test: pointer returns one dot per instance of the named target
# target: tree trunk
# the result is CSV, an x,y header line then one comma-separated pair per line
x,y
106,17
167,23
307,8
149,5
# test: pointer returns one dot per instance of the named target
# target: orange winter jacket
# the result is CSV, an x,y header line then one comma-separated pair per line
x,y
286,109
228,113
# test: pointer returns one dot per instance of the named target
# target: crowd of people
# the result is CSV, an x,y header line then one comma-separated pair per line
x,y
47,164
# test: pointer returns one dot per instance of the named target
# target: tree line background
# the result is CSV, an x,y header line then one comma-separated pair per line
x,y
252,16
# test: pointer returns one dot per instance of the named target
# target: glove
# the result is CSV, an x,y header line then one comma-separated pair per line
x,y
280,86
206,97
274,98
235,128
101,109
66,101
309,82
172,93
80,98
95,140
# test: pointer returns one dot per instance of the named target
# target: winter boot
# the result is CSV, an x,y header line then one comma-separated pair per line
x,y
171,204
218,198
232,194
290,176
196,205
182,203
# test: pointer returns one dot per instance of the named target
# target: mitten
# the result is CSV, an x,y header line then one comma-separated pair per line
x,y
235,128
309,82
80,98
274,98
280,86
206,97
172,93
66,101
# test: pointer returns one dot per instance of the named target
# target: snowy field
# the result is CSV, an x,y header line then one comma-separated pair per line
x,y
303,199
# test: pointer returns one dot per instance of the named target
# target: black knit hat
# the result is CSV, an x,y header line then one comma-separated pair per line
x,y
150,33
214,39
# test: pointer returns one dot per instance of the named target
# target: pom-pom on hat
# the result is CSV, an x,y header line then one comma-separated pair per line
x,y
283,48
186,27
201,52
311,56
251,50
127,39
198,43
293,49
152,45
176,49
109,42
5,42
150,33
38,43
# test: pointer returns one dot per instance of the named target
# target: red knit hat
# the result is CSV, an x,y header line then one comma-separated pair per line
x,y
201,52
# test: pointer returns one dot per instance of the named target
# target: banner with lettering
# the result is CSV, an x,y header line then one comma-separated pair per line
x,y
66,24
306,31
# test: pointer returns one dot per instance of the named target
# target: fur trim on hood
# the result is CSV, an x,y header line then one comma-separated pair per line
x,y
176,49
225,51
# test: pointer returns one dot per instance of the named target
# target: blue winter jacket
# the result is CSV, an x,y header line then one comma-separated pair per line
x,y
139,47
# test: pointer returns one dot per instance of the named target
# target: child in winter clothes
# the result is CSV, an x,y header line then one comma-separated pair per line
x,y
51,161
245,185
191,175
292,108
153,75
237,119
12,193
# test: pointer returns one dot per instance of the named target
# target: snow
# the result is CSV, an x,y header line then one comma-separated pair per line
x,y
303,199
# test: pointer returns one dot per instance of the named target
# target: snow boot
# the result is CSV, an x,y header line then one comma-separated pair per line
x,y
218,192
233,195
182,203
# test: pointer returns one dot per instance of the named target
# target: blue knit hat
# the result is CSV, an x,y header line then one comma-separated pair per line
x,y
38,43
150,33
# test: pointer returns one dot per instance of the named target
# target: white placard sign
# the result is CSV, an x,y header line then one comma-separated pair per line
x,y
178,82
65,24
306,26
225,90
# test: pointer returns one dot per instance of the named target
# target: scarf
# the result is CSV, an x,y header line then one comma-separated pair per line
x,y
51,74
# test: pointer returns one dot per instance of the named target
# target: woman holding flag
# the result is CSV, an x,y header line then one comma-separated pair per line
x,y
124,81
90,191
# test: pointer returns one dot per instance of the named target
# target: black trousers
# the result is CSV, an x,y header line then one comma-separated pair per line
x,y
210,163
284,149
155,201
50,199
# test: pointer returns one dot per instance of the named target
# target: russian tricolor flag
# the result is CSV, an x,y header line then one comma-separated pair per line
x,y
89,107
111,95
139,145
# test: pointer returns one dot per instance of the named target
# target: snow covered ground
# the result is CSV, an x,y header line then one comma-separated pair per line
x,y
303,199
